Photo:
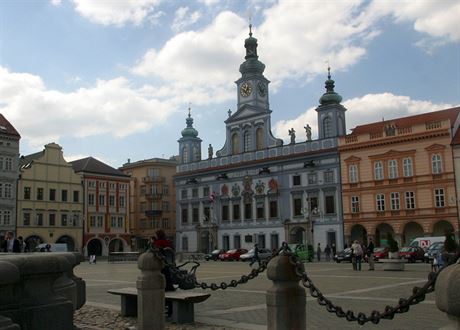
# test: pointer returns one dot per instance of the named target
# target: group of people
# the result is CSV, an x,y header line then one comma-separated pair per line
x,y
328,250
12,244
360,252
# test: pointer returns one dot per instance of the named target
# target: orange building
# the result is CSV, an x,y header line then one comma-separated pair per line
x,y
398,177
152,198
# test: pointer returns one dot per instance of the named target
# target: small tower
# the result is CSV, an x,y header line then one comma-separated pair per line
x,y
331,114
189,143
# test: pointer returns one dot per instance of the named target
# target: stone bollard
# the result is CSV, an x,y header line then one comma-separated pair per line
x,y
447,291
286,299
150,293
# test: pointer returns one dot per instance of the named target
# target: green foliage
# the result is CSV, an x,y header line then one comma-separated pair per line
x,y
449,244
392,243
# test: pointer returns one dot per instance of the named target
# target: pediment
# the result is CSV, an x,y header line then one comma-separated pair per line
x,y
392,154
435,147
245,112
352,159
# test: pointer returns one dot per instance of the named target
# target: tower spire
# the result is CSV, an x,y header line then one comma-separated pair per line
x,y
330,96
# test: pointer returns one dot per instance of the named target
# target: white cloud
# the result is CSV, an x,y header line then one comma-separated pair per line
x,y
116,13
56,2
110,107
361,110
209,3
183,19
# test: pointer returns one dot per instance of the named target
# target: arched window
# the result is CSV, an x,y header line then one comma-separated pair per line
x,y
235,144
260,138
196,154
184,155
436,164
327,127
247,141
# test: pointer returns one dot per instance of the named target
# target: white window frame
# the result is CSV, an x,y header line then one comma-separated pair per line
x,y
392,169
407,167
410,200
439,197
378,170
395,201
353,173
380,202
354,204
436,164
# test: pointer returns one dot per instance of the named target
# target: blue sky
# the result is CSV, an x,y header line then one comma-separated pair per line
x,y
113,79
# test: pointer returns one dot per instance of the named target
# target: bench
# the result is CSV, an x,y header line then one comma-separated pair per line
x,y
182,303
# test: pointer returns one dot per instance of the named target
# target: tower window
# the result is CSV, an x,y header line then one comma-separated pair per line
x,y
260,138
184,155
247,141
327,127
235,144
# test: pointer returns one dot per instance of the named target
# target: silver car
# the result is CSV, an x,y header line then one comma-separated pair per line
x,y
263,254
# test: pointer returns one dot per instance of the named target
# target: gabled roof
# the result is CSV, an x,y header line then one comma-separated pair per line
x,y
27,159
92,165
377,127
7,128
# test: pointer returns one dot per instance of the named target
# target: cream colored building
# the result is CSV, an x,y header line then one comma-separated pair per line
x,y
152,198
398,177
50,200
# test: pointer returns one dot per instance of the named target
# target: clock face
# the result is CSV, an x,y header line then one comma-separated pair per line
x,y
262,89
246,89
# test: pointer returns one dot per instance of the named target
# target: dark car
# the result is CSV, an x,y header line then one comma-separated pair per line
x,y
231,255
381,253
214,255
263,254
434,249
412,253
344,255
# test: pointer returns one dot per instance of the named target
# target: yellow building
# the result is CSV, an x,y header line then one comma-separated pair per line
x,y
152,198
50,200
398,178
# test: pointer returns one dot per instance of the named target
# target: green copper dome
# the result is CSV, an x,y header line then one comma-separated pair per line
x,y
189,131
252,64
330,97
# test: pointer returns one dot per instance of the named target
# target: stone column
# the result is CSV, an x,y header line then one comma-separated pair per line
x,y
447,291
150,293
286,299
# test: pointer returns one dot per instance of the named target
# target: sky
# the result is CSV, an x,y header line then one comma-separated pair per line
x,y
113,79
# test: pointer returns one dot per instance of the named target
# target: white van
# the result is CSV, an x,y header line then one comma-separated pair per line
x,y
425,242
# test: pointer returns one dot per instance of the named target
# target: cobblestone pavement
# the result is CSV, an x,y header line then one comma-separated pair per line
x,y
244,307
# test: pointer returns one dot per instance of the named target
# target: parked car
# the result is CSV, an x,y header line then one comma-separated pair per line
x,y
214,255
301,251
263,254
344,255
425,242
231,255
434,249
412,253
381,253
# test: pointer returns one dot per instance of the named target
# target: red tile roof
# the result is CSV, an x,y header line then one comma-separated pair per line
x,y
377,127
7,128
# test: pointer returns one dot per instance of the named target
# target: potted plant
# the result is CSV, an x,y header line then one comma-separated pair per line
x,y
393,247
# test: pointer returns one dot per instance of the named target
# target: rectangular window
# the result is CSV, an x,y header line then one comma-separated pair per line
x,y
90,199
394,199
52,219
392,169
274,241
436,164
64,195
226,242
296,180
407,167
101,200
439,197
380,200
410,200
207,213
260,210
225,213
63,220
120,222
353,173
8,163
26,219
8,190
92,221
184,243
205,191
111,200
6,217
52,194
100,221
312,178
183,193
40,194
236,212
122,201
354,204
113,221
184,215
378,170
237,242
297,201
195,192
165,190
39,219
330,204
328,177
313,203
76,196
247,211
195,214
26,192
274,209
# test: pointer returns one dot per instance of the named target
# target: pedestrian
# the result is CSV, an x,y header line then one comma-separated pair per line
x,y
370,254
255,257
11,244
327,251
334,249
318,252
165,247
358,253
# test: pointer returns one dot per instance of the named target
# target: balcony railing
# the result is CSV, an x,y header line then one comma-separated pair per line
x,y
147,179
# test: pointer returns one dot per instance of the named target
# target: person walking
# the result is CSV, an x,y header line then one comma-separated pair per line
x,y
334,249
370,254
318,252
327,251
255,257
11,244
358,253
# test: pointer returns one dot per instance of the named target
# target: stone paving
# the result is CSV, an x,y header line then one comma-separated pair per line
x,y
244,307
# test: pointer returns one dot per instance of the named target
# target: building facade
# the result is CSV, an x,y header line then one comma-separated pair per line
x,y
255,189
152,199
50,200
398,178
9,173
106,207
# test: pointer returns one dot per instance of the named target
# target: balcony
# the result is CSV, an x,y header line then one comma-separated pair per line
x,y
153,179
